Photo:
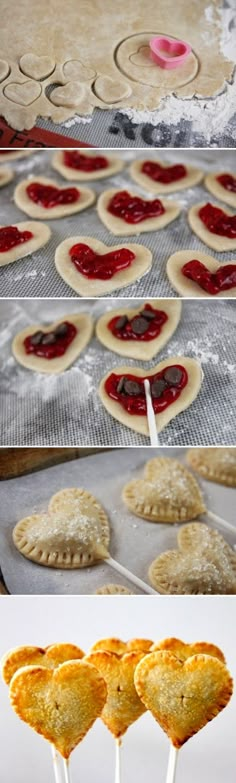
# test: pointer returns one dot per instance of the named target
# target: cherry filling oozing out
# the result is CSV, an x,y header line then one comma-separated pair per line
x,y
48,196
50,345
81,162
134,209
212,282
10,237
166,386
227,181
163,174
217,221
101,267
144,326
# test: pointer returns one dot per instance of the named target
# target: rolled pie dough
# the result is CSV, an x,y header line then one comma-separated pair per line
x,y
140,423
215,241
193,177
6,175
115,165
217,189
140,349
119,227
88,287
186,287
41,235
84,325
22,200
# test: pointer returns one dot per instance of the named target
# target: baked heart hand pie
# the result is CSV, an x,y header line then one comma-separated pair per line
x,y
22,239
6,175
215,464
193,273
126,213
61,705
174,384
54,348
74,533
161,177
119,647
182,651
142,332
43,198
168,493
85,165
94,269
223,186
204,564
48,657
123,706
214,226
183,696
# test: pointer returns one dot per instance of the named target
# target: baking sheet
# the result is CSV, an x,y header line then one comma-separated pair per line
x,y
134,542
65,409
36,275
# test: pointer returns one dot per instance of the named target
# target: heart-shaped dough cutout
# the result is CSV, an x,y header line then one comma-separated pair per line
x,y
111,90
6,175
214,464
204,564
85,286
217,242
71,164
187,287
218,190
182,651
120,227
4,70
123,706
76,199
142,57
61,705
168,493
138,422
142,349
75,69
69,95
191,177
40,235
48,657
183,696
38,67
74,533
23,93
83,324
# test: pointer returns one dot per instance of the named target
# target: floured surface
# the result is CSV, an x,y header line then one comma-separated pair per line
x,y
55,70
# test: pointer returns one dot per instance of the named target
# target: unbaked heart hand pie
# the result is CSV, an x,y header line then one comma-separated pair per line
x,y
193,273
126,213
174,385
74,533
214,226
113,590
214,464
123,706
142,332
84,165
168,493
223,186
6,175
61,705
14,154
182,651
93,269
54,348
22,239
48,657
161,177
204,564
183,696
43,198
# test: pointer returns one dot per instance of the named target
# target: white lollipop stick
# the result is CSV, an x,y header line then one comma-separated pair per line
x,y
56,766
132,578
118,762
172,764
67,770
151,415
221,521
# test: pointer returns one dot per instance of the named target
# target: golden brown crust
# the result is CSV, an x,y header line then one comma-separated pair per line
x,y
144,645
182,651
49,657
123,705
214,464
112,645
168,493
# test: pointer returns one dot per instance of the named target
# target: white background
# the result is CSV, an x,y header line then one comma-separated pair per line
x,y
209,757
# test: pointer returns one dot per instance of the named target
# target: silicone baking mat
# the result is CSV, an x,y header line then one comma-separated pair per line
x,y
65,409
134,542
36,275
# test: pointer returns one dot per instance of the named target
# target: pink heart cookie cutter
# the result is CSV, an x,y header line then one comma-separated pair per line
x,y
169,52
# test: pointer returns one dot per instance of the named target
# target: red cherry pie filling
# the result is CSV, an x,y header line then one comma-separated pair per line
x,y
217,221
87,163
48,196
164,174
212,282
134,209
166,387
11,236
100,267
50,345
144,326
228,182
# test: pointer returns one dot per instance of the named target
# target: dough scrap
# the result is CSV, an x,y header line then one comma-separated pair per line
x,y
6,175
214,187
41,234
123,706
168,493
83,322
187,287
119,227
193,177
219,243
182,651
115,165
22,200
49,657
214,464
140,350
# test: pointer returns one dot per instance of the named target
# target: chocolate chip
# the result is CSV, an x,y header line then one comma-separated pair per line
x,y
120,386
122,321
158,387
139,325
49,339
148,314
132,388
173,376
36,338
61,330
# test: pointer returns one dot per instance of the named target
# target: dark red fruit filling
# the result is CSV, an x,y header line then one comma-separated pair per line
x,y
50,345
145,326
166,387
10,236
102,267
217,221
48,196
163,174
81,162
134,209
228,182
212,282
